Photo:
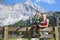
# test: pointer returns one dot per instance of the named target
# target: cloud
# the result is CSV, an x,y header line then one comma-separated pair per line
x,y
45,1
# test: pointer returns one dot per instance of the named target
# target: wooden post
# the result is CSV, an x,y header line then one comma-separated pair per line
x,y
56,33
5,33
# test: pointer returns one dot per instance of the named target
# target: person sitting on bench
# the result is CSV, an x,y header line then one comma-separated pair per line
x,y
44,23
36,21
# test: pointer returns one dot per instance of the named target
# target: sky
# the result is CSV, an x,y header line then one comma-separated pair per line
x,y
49,5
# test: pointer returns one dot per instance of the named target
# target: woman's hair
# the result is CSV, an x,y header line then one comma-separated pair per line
x,y
44,16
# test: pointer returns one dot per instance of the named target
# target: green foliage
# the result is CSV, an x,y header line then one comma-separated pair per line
x,y
59,29
53,38
57,12
52,32
1,39
51,21
20,23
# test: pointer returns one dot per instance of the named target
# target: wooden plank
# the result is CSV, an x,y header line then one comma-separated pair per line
x,y
13,28
29,28
22,29
47,36
5,33
12,36
47,29
1,28
56,33
0,35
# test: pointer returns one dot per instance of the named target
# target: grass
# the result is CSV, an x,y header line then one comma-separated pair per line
x,y
12,38
15,38
25,38
22,38
1,38
9,39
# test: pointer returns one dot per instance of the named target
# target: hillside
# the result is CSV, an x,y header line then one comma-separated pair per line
x,y
51,20
19,11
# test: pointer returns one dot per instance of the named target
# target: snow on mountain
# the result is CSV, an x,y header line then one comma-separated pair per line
x,y
19,11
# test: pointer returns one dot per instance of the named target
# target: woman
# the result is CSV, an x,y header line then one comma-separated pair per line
x,y
44,23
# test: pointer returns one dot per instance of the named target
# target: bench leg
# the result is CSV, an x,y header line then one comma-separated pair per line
x,y
30,33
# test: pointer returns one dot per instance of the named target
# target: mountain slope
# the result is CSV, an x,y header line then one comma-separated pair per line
x,y
19,11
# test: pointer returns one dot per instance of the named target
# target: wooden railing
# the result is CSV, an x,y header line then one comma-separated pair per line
x,y
50,36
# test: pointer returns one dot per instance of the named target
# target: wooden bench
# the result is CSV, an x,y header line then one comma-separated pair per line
x,y
46,36
28,28
47,29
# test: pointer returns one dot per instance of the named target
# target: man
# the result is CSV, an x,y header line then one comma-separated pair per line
x,y
36,21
